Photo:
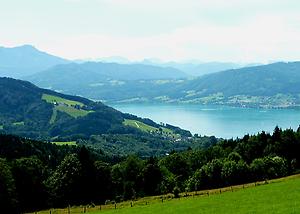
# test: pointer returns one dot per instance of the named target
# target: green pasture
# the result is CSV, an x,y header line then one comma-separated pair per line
x,y
69,143
146,128
55,99
275,196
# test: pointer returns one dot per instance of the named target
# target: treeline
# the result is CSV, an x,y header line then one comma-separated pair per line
x,y
83,176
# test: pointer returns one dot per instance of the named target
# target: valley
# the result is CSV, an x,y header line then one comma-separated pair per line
x,y
137,106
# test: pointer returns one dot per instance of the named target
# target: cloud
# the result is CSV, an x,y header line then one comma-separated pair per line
x,y
264,37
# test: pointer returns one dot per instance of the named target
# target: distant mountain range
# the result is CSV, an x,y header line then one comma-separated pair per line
x,y
25,60
195,69
273,85
97,72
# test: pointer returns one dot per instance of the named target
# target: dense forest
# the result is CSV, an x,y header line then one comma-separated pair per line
x,y
36,175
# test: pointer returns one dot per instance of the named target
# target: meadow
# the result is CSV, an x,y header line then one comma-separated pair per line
x,y
275,196
64,105
146,128
69,143
55,99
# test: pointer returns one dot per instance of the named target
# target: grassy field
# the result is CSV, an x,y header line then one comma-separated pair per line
x,y
73,112
70,143
146,128
278,196
52,99
142,126
64,105
21,123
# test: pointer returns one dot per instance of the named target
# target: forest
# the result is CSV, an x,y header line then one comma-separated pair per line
x,y
36,175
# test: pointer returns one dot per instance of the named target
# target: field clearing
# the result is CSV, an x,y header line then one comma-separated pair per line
x,y
146,128
275,196
142,126
73,112
21,123
70,143
53,116
64,105
55,99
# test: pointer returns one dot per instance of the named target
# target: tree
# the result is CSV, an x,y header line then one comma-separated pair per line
x,y
258,169
29,174
230,172
132,169
103,181
177,165
8,201
234,156
152,178
64,183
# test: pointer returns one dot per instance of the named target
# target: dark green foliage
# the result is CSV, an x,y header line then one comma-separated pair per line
x,y
8,199
81,175
65,183
22,102
29,174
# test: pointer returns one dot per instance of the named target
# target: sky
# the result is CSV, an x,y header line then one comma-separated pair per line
x,y
170,30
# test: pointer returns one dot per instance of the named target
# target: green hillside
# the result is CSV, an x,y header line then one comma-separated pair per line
x,y
29,111
273,85
281,197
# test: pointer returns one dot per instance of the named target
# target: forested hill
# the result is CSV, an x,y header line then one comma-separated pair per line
x,y
264,80
273,85
30,111
93,73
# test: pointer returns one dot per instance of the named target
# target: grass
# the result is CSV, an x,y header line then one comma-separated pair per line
x,y
55,99
53,116
146,128
278,196
73,112
69,143
21,123
1,127
142,126
64,105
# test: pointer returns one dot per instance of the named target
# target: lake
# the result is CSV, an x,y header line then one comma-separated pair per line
x,y
220,121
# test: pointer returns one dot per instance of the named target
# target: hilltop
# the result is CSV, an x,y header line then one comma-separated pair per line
x,y
25,60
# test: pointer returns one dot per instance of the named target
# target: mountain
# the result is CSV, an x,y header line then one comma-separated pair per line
x,y
98,81
195,68
25,60
95,72
29,111
273,85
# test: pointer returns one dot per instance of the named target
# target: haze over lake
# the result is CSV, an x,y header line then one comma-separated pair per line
x,y
220,121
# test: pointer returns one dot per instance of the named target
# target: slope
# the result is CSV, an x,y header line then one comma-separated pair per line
x,y
25,60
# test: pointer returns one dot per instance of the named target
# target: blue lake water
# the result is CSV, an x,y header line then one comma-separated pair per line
x,y
220,121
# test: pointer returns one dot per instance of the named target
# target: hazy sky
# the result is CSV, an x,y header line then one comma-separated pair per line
x,y
207,30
